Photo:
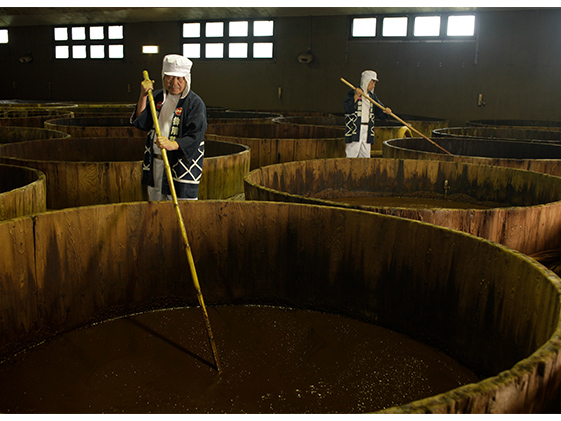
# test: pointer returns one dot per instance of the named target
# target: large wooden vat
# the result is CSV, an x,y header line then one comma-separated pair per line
x,y
103,110
91,171
540,157
34,117
275,143
500,133
95,127
241,117
83,171
22,192
489,307
224,168
11,134
528,219
521,124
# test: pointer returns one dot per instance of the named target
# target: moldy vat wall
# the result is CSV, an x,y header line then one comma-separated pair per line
x,y
515,63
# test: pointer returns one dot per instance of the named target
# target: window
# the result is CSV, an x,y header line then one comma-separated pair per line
x,y
3,36
96,42
229,39
427,26
394,27
409,27
459,26
364,27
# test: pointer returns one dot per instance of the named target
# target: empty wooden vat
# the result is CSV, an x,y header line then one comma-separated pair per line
x,y
22,192
242,117
91,171
224,168
11,134
521,124
491,308
540,157
274,143
519,209
500,133
32,117
95,127
83,171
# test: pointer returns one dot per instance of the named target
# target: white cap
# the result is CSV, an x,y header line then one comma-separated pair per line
x,y
366,77
176,65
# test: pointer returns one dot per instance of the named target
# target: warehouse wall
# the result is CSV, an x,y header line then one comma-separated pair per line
x,y
515,63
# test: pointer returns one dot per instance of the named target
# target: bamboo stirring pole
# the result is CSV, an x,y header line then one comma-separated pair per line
x,y
397,118
183,232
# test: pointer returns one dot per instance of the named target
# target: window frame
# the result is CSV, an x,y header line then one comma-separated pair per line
x,y
226,39
106,42
410,37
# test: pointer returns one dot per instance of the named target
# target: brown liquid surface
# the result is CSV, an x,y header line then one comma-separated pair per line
x,y
274,360
415,202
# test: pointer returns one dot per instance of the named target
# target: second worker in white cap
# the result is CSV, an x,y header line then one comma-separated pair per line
x,y
183,122
360,115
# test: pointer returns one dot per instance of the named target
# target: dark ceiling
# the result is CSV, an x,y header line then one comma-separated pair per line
x,y
34,16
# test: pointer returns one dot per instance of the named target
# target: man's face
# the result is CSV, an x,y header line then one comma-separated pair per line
x,y
174,84
371,85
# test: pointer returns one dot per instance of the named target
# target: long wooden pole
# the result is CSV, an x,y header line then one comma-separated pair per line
x,y
396,117
183,232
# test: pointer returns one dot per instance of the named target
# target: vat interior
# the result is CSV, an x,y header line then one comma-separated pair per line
x,y
387,177
13,177
20,134
275,131
413,278
480,147
93,149
93,121
215,148
274,360
501,133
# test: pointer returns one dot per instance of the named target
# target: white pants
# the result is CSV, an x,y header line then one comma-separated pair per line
x,y
359,149
154,193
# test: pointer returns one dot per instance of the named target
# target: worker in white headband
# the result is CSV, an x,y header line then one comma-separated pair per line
x,y
183,123
360,115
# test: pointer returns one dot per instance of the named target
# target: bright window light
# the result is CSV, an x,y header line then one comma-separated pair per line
x,y
150,49
238,29
61,34
394,27
263,28
96,32
214,50
263,50
3,36
192,50
214,29
461,26
364,27
62,51
116,51
78,51
78,33
115,32
237,50
427,26
97,51
191,30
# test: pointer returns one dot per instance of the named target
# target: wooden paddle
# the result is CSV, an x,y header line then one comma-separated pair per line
x,y
183,232
397,118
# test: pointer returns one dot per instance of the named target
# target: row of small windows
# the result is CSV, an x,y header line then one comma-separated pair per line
x,y
423,26
244,39
95,42
231,39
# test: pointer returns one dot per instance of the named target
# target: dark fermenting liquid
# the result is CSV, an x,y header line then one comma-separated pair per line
x,y
274,360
